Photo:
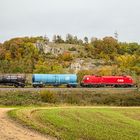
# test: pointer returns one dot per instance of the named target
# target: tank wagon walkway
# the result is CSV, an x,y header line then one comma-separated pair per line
x,y
9,130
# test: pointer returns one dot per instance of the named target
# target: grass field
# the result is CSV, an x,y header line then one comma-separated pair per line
x,y
83,123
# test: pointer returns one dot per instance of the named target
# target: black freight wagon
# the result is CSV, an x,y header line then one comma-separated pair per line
x,y
13,80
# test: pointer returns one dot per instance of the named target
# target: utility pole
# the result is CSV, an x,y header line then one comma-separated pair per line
x,y
116,35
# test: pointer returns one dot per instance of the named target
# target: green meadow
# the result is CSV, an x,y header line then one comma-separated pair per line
x,y
82,123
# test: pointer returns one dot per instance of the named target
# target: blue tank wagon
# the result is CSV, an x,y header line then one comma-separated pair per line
x,y
40,80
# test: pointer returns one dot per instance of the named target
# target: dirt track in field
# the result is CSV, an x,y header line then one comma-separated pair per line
x,y
9,130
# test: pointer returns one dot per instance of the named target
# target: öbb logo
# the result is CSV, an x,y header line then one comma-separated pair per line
x,y
120,80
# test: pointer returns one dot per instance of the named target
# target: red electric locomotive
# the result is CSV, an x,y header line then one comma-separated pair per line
x,y
107,81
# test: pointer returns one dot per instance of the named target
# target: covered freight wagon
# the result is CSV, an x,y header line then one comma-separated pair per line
x,y
103,81
40,80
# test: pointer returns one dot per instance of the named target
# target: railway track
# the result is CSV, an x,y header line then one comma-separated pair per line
x,y
66,89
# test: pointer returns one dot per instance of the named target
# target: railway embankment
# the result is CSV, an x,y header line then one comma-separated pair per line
x,y
39,97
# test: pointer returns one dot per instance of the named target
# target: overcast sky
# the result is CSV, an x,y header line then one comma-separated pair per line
x,y
92,18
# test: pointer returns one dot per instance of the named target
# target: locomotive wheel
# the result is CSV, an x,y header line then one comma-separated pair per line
x,y
116,86
90,86
96,86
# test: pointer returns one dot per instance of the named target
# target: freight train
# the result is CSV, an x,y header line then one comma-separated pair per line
x,y
69,80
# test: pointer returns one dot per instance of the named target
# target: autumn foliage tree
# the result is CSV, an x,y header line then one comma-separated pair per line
x,y
106,48
21,55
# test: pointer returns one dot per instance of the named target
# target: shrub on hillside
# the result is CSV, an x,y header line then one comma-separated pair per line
x,y
72,49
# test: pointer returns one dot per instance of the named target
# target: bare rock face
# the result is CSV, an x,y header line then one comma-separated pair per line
x,y
54,51
79,63
75,67
82,64
57,49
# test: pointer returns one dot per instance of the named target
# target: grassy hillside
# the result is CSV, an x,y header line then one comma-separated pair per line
x,y
83,123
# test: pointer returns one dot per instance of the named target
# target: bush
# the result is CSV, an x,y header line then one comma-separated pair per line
x,y
19,98
47,96
84,97
72,49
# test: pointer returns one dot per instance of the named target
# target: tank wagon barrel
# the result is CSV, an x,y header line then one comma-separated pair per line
x,y
12,80
40,80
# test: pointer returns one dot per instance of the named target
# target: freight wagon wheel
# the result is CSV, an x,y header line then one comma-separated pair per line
x,y
70,86
22,86
16,86
34,86
56,86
